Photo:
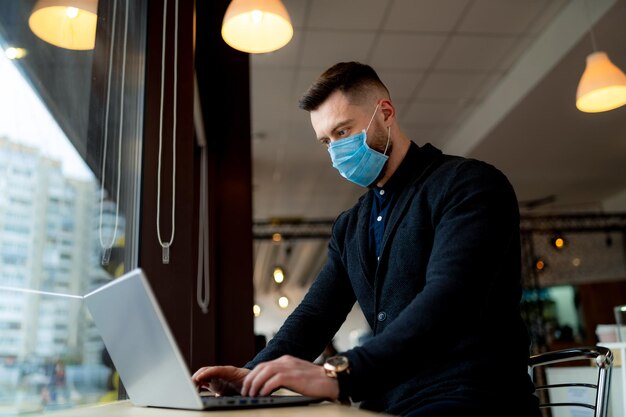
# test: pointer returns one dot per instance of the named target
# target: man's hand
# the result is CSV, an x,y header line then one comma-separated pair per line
x,y
292,373
222,380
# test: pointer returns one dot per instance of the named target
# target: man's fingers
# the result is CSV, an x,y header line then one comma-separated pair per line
x,y
198,372
257,379
257,382
220,379
245,385
272,384
285,372
210,372
198,376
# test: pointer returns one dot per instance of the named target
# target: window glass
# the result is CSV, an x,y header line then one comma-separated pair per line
x,y
61,127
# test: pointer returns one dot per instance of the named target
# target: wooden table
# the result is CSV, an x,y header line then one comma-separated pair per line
x,y
126,409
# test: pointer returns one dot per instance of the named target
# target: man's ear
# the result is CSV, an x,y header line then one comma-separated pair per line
x,y
388,110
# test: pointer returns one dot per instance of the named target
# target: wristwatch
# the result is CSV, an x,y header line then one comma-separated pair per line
x,y
338,367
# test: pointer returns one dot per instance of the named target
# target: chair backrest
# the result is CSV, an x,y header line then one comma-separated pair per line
x,y
603,359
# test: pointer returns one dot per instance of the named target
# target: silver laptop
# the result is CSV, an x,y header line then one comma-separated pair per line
x,y
146,355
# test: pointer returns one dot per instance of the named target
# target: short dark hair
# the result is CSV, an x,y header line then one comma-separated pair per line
x,y
353,79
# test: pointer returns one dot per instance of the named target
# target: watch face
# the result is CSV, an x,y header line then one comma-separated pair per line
x,y
339,363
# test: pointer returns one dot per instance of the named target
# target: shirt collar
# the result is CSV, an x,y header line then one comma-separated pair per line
x,y
403,175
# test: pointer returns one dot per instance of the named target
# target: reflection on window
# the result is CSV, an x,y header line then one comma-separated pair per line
x,y
42,345
51,115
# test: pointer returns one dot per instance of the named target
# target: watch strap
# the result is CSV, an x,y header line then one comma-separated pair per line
x,y
343,379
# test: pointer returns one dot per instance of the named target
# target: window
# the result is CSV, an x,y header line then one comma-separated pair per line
x,y
53,110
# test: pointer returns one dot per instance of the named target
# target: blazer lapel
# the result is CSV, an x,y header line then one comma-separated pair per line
x,y
363,238
429,159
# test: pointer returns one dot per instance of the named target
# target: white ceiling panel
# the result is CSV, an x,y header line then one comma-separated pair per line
x,y
400,84
520,46
347,14
451,86
418,51
297,10
475,52
487,86
304,79
264,151
424,15
325,48
421,112
307,188
501,16
271,88
427,133
305,146
546,16
286,56
300,125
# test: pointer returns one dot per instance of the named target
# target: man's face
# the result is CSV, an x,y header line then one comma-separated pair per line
x,y
337,118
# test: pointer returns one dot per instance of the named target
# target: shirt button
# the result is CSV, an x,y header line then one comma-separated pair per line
x,y
379,218
382,316
382,192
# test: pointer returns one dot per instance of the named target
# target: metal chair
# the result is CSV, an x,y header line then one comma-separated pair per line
x,y
603,358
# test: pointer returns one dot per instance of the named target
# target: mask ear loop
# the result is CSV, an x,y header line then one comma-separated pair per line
x,y
372,119
388,138
388,129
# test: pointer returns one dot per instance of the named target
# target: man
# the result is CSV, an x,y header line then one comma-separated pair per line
x,y
431,253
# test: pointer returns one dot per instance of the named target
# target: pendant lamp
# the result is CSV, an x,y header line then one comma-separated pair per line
x,y
69,24
256,26
602,86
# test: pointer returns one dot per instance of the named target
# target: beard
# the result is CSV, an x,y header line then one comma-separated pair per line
x,y
380,141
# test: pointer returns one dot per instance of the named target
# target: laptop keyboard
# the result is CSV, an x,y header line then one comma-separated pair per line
x,y
268,401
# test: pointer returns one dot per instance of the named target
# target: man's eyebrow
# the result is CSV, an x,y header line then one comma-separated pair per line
x,y
336,126
341,123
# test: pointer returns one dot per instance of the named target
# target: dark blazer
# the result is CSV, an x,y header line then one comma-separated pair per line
x,y
442,302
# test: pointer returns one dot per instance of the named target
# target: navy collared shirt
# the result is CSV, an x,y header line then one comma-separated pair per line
x,y
385,199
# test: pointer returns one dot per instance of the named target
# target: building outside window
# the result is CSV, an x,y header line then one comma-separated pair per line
x,y
55,213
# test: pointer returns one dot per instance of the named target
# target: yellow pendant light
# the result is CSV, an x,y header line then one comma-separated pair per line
x,y
69,24
602,86
256,26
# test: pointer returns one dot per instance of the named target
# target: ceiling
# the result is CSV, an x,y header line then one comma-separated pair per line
x,y
489,79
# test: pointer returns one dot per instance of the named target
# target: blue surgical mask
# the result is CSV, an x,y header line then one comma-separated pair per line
x,y
356,161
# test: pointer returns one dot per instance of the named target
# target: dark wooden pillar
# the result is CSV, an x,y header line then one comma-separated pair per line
x,y
223,80
225,335
173,283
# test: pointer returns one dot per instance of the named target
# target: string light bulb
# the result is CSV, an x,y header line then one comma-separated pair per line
x,y
256,26
283,302
279,275
558,241
15,53
69,24
540,265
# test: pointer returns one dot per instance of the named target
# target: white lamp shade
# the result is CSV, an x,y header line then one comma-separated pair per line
x,y
602,86
256,26
69,24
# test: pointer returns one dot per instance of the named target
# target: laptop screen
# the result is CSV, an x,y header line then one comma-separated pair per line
x,y
146,355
